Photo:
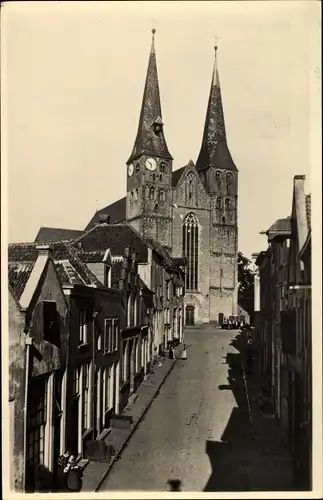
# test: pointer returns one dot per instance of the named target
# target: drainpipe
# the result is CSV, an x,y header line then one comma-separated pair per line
x,y
95,315
28,343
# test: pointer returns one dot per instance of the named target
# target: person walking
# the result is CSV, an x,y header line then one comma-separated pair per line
x,y
184,353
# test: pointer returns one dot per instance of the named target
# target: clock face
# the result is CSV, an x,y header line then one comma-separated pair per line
x,y
151,164
130,169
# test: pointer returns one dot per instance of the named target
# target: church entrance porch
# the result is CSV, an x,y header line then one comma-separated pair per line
x,y
190,316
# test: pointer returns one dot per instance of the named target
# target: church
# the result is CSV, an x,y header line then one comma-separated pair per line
x,y
192,211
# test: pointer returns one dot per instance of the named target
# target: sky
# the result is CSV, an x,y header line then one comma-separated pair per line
x,y
72,82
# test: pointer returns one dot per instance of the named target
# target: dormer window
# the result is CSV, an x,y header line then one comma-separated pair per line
x,y
158,125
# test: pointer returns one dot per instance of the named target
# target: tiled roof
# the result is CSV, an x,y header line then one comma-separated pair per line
x,y
115,237
48,234
116,212
308,211
280,227
177,175
18,275
71,270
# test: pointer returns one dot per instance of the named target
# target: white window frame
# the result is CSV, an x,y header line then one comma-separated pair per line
x,y
107,335
82,327
107,276
115,334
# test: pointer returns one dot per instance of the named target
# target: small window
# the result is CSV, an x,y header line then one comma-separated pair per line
x,y
223,220
136,194
137,167
160,177
218,177
51,323
229,178
83,327
162,195
107,335
219,202
153,177
162,167
131,196
152,193
227,204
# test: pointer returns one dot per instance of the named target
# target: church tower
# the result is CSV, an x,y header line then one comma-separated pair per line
x,y
220,178
149,167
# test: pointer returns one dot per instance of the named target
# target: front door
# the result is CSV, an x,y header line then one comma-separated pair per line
x,y
189,316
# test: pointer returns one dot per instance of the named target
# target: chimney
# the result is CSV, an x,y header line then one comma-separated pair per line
x,y
44,249
104,218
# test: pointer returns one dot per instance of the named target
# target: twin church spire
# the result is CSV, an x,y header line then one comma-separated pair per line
x,y
214,150
150,138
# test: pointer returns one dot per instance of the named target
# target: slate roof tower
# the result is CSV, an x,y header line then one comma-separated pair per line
x,y
149,167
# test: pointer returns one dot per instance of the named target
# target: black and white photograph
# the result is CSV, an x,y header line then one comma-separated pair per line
x,y
160,179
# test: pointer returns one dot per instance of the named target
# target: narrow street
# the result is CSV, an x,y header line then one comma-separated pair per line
x,y
189,413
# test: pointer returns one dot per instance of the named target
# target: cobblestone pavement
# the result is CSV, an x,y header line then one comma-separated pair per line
x,y
171,441
197,430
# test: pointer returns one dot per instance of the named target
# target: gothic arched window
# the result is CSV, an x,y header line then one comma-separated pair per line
x,y
152,193
162,195
227,204
162,167
190,250
229,182
218,177
219,202
189,186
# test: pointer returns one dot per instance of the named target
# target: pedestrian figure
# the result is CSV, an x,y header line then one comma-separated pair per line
x,y
249,354
174,484
61,473
184,353
171,353
74,475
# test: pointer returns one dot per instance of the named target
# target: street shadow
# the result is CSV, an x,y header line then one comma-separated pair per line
x,y
235,459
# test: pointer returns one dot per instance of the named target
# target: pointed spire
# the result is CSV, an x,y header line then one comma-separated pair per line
x,y
150,138
214,150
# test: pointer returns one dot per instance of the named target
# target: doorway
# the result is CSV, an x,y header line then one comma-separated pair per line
x,y
189,316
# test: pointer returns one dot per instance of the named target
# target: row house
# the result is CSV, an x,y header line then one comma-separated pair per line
x,y
158,272
64,359
283,327
297,333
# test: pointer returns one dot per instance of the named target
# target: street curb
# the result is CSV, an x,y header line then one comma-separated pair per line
x,y
106,473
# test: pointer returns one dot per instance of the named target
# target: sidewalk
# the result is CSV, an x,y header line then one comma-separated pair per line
x,y
95,472
255,438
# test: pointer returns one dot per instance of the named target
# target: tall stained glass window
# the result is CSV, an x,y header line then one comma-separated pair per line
x,y
190,250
